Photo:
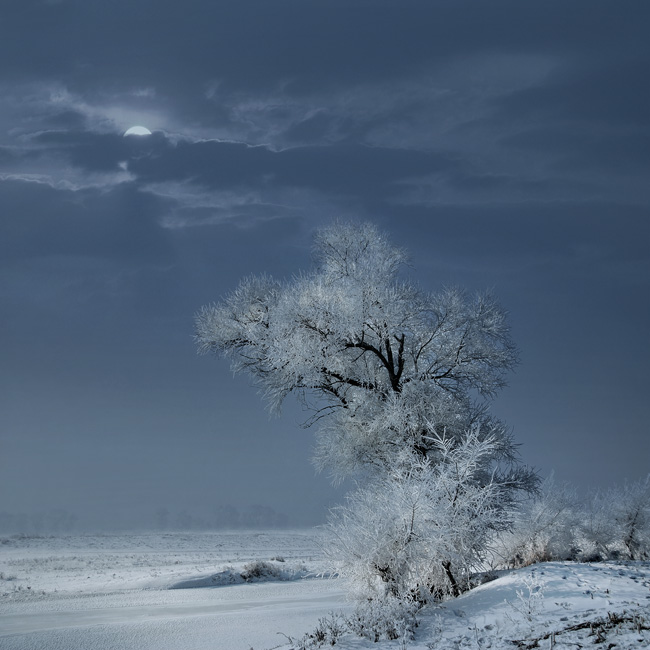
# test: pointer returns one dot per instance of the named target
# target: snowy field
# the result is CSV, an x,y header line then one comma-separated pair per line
x,y
231,591
161,591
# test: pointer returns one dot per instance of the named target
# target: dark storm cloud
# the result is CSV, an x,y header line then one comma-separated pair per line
x,y
225,164
99,152
351,169
282,72
362,173
301,51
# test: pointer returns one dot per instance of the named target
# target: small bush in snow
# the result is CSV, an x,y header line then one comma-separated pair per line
x,y
327,632
260,570
530,597
387,618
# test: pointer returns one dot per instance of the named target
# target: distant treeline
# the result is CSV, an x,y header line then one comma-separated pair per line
x,y
52,521
224,517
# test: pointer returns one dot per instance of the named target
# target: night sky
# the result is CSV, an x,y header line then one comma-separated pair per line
x,y
505,144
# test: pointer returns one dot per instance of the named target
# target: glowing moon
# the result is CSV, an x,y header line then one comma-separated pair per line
x,y
137,130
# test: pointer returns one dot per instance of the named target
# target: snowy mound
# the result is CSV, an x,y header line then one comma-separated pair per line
x,y
257,571
556,604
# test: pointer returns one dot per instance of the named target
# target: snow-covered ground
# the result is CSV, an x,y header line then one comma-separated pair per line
x,y
554,604
161,591
226,591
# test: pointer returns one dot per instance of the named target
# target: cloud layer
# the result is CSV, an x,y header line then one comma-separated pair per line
x,y
504,143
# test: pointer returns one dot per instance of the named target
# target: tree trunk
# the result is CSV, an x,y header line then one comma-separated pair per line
x,y
455,591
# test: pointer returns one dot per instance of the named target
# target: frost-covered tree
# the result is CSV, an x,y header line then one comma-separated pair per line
x,y
633,518
598,531
388,370
615,523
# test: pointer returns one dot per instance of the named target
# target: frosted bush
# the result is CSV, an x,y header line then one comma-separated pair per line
x,y
384,618
556,524
616,523
543,529
420,532
260,570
